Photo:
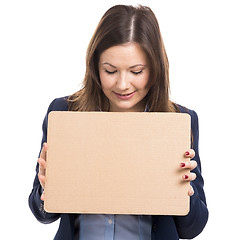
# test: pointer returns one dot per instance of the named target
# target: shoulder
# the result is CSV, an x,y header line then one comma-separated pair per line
x,y
192,113
59,104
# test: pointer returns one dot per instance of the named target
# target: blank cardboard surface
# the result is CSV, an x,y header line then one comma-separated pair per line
x,y
117,163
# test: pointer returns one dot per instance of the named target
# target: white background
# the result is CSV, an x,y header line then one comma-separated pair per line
x,y
42,54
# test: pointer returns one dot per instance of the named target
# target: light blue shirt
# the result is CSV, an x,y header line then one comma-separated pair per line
x,y
115,227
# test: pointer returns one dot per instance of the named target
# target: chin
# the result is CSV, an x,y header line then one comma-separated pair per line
x,y
126,107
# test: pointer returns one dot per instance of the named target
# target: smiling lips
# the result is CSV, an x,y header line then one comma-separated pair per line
x,y
125,96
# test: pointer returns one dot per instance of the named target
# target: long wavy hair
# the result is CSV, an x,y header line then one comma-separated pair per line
x,y
119,25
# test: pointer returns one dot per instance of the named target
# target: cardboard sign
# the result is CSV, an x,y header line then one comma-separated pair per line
x,y
117,163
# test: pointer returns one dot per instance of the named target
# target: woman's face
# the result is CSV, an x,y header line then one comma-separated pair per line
x,y
124,76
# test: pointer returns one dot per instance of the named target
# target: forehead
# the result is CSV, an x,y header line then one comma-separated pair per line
x,y
126,54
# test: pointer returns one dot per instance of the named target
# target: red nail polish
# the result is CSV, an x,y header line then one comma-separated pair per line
x,y
185,176
187,153
182,165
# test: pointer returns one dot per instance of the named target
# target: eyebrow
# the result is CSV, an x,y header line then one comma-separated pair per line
x,y
109,64
106,63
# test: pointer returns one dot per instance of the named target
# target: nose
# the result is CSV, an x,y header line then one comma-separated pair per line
x,y
122,81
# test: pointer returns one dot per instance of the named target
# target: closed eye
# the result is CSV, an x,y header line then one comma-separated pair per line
x,y
136,73
109,72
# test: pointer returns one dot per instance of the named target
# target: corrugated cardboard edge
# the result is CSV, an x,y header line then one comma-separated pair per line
x,y
51,114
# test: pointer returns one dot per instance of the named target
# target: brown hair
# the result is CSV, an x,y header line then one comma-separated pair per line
x,y
122,24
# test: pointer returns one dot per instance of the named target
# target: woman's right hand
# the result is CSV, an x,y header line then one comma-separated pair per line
x,y
42,168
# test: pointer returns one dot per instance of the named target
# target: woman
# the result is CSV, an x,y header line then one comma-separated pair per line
x,y
126,70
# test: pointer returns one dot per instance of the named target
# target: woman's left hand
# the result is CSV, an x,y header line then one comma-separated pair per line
x,y
189,165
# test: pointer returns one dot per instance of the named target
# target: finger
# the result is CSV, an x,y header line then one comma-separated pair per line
x,y
189,165
42,163
42,180
190,153
43,153
189,177
191,191
42,196
42,166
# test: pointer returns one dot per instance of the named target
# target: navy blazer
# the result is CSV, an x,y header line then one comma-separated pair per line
x,y
163,227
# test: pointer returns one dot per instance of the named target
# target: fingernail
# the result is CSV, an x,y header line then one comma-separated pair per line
x,y
185,176
182,165
187,153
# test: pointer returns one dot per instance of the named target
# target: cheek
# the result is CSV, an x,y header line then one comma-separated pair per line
x,y
107,82
143,83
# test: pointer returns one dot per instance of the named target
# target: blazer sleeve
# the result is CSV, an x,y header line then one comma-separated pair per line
x,y
35,203
191,225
